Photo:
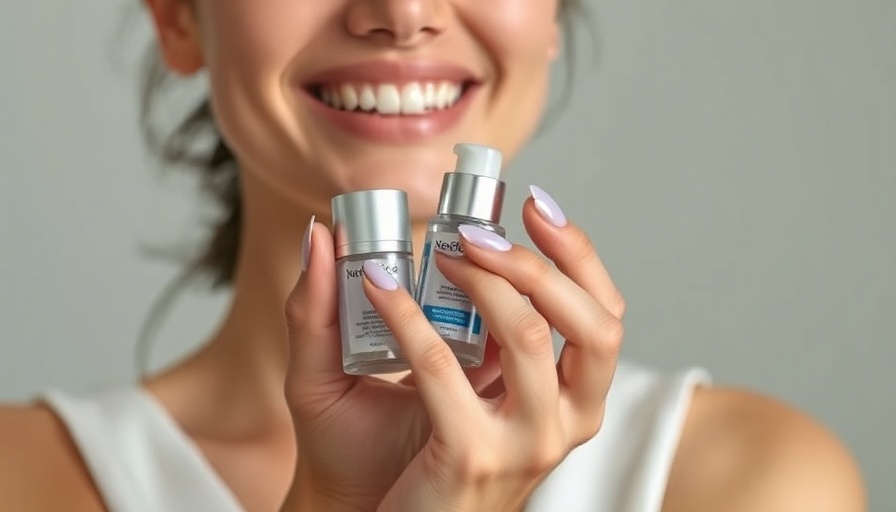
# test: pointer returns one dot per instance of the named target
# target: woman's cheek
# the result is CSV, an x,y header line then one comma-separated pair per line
x,y
514,28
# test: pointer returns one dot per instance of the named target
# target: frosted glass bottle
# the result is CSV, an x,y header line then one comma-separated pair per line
x,y
370,225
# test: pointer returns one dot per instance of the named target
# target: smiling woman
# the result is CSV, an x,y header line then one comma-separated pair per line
x,y
311,100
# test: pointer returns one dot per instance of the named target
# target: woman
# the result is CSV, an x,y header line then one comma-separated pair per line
x,y
217,432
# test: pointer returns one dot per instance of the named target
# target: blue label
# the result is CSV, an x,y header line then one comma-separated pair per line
x,y
453,316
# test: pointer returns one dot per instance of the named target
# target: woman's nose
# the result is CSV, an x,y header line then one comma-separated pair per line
x,y
398,23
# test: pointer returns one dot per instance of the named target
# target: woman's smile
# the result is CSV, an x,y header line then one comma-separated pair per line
x,y
392,101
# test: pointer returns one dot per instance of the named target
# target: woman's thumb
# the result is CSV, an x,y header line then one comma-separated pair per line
x,y
315,350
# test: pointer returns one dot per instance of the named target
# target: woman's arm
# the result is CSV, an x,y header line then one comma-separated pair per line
x,y
741,451
40,469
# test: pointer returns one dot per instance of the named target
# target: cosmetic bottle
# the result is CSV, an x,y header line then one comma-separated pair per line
x,y
472,194
371,225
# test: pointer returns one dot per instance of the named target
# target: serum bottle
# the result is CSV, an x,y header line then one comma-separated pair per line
x,y
472,194
371,225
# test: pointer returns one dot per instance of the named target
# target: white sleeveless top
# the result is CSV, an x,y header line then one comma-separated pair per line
x,y
141,461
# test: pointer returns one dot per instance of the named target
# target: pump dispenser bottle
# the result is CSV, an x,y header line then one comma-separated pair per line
x,y
472,194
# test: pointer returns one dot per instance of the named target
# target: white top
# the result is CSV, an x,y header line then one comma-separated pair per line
x,y
142,461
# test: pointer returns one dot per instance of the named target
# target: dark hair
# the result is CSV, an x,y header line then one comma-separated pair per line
x,y
183,147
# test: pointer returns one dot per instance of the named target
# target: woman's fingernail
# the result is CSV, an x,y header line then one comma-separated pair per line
x,y
306,244
484,238
547,207
379,277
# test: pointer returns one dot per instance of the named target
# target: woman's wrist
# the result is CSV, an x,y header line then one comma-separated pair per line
x,y
426,495
305,501
304,496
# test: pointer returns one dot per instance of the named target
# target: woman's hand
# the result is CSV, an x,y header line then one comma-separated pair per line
x,y
448,440
490,453
355,435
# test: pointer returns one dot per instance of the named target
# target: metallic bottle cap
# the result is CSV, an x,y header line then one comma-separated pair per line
x,y
474,189
371,221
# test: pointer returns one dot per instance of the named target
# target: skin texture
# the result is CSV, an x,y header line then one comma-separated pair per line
x,y
480,440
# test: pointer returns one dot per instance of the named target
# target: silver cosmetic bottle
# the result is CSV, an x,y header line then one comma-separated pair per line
x,y
370,225
472,194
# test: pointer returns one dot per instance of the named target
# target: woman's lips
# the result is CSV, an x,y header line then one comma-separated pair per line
x,y
394,128
394,71
392,101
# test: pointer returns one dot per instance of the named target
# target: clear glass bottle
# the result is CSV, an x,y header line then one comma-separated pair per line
x,y
371,225
472,194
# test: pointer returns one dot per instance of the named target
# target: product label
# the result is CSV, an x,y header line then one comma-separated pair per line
x,y
361,327
448,308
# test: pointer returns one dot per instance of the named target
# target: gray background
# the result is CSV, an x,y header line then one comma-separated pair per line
x,y
734,162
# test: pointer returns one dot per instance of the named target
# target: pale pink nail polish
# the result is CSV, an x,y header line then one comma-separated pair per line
x,y
306,244
379,276
484,238
547,207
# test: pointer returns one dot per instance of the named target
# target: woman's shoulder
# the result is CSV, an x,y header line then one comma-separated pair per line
x,y
744,451
40,467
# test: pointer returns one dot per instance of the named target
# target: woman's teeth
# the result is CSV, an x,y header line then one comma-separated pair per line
x,y
413,98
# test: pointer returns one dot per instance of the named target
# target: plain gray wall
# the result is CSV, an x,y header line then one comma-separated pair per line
x,y
734,162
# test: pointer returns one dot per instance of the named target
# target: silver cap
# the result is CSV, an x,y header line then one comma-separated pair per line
x,y
371,221
468,195
473,189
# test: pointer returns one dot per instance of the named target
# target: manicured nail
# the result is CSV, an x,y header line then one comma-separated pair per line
x,y
484,238
379,277
306,244
547,207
